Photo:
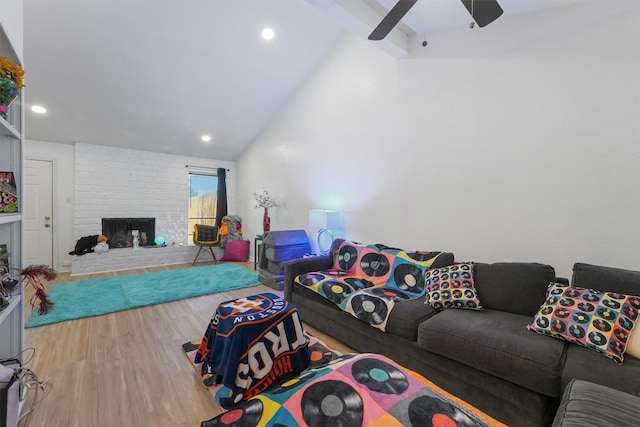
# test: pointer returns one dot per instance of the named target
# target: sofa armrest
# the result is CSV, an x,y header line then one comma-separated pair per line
x,y
294,268
608,279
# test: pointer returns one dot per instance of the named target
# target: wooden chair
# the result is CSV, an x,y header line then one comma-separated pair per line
x,y
206,236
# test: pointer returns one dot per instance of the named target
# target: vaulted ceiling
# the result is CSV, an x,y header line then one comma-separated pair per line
x,y
158,74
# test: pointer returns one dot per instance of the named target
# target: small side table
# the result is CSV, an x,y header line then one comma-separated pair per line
x,y
256,239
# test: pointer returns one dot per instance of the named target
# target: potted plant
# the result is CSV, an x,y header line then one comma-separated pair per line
x,y
11,76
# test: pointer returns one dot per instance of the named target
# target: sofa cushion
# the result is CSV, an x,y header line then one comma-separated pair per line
x,y
383,265
584,364
406,316
408,271
601,321
452,287
584,403
514,287
606,279
366,262
367,281
427,259
346,257
496,343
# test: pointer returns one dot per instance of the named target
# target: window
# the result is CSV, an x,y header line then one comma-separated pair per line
x,y
203,198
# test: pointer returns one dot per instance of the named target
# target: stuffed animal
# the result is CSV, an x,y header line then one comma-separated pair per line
x,y
86,244
101,247
230,229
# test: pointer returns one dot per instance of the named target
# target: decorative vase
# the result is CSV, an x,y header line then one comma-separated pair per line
x,y
266,221
9,91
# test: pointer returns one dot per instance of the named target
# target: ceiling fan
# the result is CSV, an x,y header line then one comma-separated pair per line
x,y
482,11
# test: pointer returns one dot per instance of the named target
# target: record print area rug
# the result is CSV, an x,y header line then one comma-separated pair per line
x,y
355,390
86,298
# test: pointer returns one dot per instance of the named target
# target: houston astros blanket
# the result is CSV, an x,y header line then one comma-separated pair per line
x,y
252,343
320,353
354,390
367,281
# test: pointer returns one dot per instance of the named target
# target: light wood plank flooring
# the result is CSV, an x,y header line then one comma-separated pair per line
x,y
127,368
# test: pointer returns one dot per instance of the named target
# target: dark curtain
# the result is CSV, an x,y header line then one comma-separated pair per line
x,y
221,208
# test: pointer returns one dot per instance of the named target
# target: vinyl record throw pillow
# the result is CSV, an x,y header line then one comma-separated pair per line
x,y
598,320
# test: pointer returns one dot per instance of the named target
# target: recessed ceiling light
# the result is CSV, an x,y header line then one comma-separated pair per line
x,y
39,109
206,138
267,33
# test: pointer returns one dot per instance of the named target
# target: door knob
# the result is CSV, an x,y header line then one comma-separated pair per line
x,y
46,218
47,226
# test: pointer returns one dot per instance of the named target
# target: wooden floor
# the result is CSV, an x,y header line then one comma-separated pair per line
x,y
127,368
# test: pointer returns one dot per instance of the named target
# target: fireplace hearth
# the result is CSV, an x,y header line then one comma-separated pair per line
x,y
118,231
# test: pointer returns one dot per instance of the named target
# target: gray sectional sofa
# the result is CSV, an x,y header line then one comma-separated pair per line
x,y
487,357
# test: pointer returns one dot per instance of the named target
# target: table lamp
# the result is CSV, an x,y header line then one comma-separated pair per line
x,y
325,220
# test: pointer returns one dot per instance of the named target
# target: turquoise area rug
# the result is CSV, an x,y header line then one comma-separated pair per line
x,y
86,298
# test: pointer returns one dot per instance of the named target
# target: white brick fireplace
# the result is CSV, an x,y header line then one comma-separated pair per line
x,y
115,183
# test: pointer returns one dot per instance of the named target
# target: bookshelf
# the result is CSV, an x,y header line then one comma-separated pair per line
x,y
11,159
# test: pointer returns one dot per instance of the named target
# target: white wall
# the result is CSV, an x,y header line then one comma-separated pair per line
x,y
62,158
92,182
115,182
519,141
12,22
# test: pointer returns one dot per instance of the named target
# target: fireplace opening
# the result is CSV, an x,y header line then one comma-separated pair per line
x,y
118,231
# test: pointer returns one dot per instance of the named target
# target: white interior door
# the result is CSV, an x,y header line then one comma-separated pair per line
x,y
37,212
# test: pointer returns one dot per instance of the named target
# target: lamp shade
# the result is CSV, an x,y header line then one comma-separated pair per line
x,y
324,219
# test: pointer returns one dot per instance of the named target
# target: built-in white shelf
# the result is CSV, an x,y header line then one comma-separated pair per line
x,y
11,159
9,218
13,303
7,129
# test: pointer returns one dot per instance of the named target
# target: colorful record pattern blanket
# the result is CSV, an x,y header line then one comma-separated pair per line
x,y
354,390
367,281
252,343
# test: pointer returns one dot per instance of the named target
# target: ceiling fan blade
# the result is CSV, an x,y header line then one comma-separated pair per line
x,y
391,20
484,12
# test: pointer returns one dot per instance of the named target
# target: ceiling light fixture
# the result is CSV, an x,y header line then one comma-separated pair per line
x,y
267,33
206,138
39,109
